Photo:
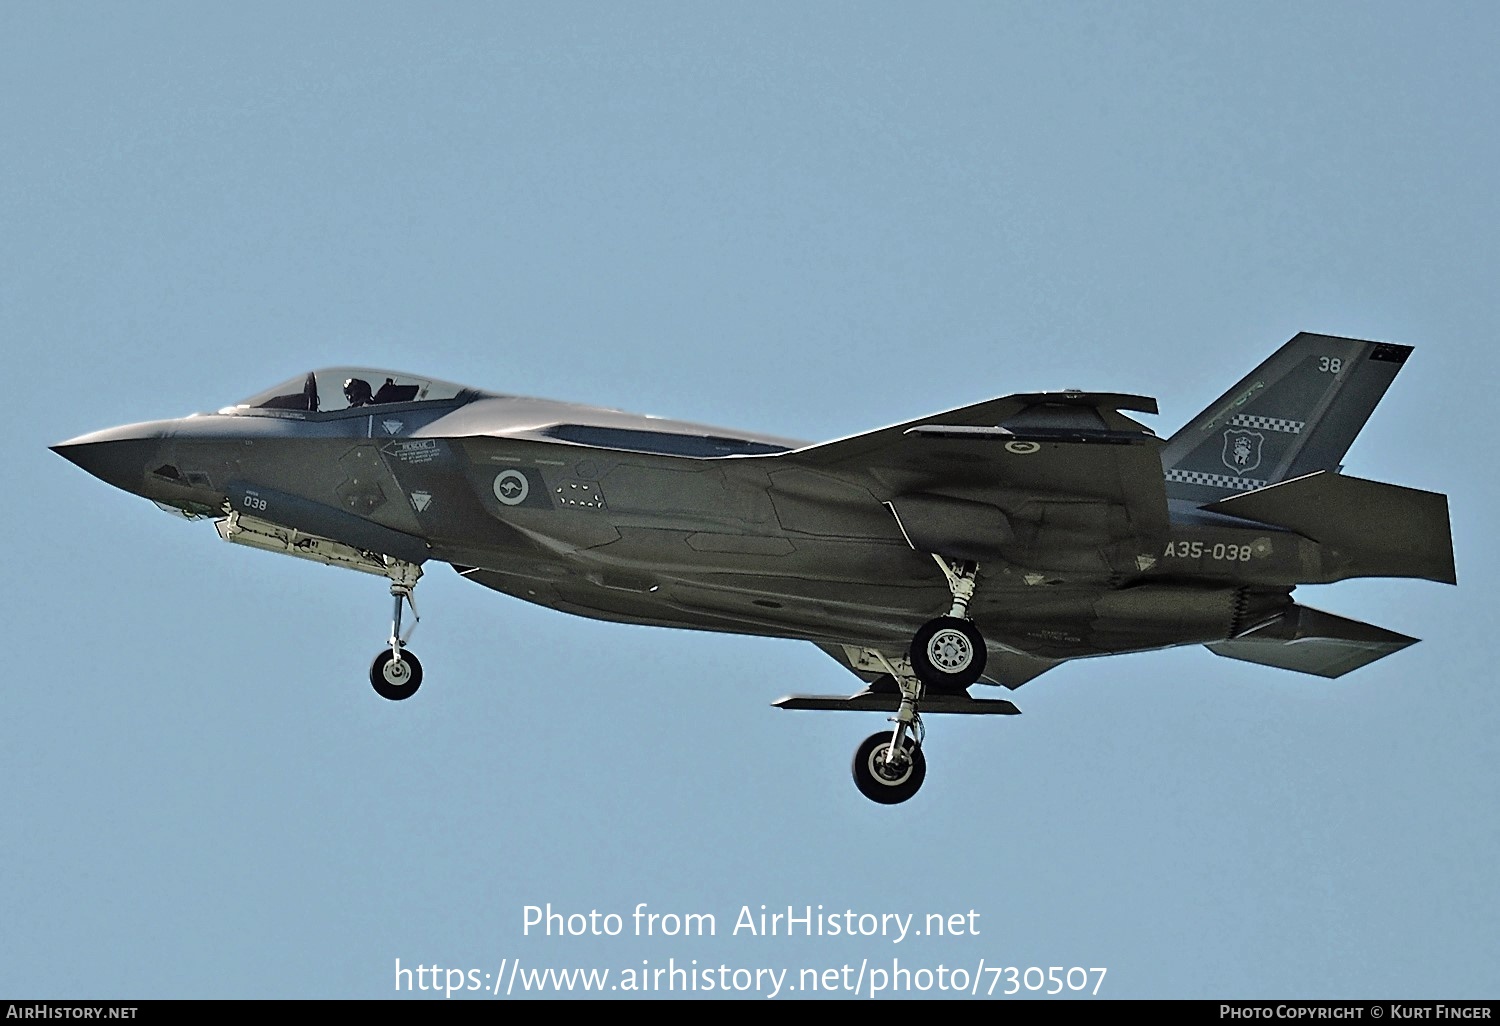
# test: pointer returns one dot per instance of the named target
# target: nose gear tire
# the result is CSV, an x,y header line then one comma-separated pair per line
x,y
394,680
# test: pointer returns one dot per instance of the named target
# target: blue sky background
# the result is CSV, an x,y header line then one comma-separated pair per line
x,y
806,219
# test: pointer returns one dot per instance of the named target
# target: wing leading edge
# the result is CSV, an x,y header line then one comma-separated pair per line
x,y
963,482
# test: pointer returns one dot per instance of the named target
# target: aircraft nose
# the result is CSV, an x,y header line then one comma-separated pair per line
x,y
117,456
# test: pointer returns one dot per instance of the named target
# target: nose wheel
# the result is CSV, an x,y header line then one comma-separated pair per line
x,y
395,676
396,673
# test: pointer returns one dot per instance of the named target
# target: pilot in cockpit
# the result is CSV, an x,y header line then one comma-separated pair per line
x,y
357,392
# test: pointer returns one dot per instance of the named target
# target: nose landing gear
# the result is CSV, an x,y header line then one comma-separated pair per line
x,y
396,674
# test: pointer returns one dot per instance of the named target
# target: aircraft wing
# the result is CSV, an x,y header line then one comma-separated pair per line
x,y
967,482
1011,410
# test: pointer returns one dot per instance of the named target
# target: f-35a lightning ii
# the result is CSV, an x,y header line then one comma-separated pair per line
x,y
978,546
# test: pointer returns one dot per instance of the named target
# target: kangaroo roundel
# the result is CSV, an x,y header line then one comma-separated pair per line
x,y
511,487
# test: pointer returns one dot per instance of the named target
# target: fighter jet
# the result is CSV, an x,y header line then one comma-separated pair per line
x,y
979,546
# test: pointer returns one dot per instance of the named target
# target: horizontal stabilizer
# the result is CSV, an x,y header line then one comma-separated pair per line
x,y
1311,641
1370,528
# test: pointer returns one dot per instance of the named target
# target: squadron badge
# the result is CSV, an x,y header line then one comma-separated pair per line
x,y
1242,450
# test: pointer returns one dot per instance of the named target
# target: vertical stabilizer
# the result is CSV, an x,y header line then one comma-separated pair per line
x,y
1298,412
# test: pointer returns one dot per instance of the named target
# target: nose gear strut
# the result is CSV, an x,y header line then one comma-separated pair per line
x,y
396,673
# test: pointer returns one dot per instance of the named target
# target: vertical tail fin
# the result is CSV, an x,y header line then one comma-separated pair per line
x,y
1296,413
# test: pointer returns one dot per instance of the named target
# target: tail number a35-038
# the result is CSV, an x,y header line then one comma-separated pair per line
x,y
1199,550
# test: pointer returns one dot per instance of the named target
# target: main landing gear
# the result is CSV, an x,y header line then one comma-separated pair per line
x,y
947,654
889,766
396,674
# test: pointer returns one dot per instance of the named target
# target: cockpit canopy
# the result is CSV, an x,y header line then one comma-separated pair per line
x,y
339,389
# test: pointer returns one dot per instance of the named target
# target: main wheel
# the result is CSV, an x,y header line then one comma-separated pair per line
x,y
885,780
395,680
948,653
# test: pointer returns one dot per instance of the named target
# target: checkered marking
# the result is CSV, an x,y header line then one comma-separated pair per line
x,y
1234,484
1291,427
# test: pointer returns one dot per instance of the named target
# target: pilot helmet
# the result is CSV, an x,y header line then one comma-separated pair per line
x,y
357,391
